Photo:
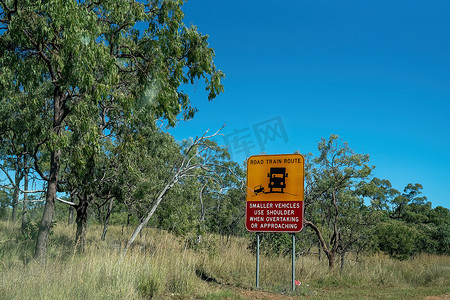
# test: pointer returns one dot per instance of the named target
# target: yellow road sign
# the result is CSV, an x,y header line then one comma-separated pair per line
x,y
275,177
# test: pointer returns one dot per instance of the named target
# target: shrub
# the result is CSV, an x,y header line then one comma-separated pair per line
x,y
396,238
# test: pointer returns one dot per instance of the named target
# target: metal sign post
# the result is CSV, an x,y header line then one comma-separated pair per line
x,y
257,260
293,262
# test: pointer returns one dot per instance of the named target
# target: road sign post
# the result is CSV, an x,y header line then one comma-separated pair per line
x,y
275,193
257,260
293,262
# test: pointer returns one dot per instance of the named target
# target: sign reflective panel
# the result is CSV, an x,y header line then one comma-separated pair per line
x,y
275,189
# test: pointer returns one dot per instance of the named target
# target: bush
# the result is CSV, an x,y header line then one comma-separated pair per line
x,y
396,238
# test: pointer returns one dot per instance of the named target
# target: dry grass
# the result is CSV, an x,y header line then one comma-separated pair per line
x,y
160,266
155,267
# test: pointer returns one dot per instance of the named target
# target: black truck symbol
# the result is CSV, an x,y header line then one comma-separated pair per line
x,y
277,179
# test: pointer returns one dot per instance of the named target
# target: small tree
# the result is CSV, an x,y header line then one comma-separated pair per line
x,y
331,189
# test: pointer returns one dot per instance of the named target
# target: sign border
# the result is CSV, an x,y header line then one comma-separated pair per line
x,y
291,201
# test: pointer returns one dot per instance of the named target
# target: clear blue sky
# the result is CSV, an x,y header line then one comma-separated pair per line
x,y
376,73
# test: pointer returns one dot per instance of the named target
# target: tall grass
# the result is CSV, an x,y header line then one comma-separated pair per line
x,y
161,266
156,266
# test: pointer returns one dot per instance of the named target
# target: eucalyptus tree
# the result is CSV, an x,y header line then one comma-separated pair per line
x,y
381,194
404,204
19,129
355,226
331,195
85,62
409,215
13,164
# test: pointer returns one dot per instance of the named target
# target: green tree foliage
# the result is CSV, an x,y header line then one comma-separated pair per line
x,y
78,64
200,158
442,236
5,203
380,192
408,205
227,217
396,238
420,228
432,226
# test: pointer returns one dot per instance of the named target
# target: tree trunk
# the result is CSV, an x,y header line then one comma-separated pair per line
x,y
25,199
108,215
71,209
70,217
52,188
320,250
144,222
128,219
202,215
49,209
80,239
15,203
329,254
342,261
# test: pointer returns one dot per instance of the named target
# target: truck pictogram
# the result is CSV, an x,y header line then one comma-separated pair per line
x,y
277,182
277,179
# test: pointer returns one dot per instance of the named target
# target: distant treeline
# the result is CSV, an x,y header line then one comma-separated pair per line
x,y
346,208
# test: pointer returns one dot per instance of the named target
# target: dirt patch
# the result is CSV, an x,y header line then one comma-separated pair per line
x,y
441,297
254,294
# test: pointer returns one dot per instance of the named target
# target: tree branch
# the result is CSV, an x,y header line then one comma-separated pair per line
x,y
65,201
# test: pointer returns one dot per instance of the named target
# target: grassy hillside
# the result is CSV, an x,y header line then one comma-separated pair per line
x,y
160,266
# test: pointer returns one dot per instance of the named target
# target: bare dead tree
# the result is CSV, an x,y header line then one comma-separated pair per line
x,y
188,164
